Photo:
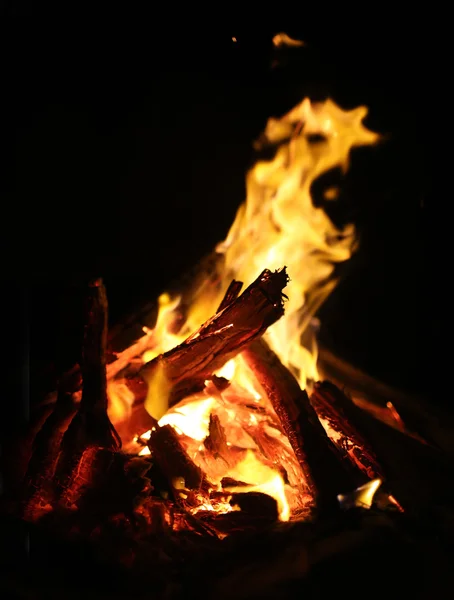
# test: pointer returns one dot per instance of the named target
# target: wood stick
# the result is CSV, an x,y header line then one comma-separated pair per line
x,y
333,406
347,419
91,428
186,367
39,488
180,472
231,294
324,474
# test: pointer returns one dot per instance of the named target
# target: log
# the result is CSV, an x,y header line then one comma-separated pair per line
x,y
423,420
254,512
37,491
346,418
39,488
333,406
182,475
90,431
323,472
186,367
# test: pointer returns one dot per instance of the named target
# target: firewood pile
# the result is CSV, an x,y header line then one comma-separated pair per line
x,y
364,501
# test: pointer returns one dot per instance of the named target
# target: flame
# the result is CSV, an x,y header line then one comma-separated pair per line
x,y
362,497
277,225
165,339
191,419
260,478
120,400
228,370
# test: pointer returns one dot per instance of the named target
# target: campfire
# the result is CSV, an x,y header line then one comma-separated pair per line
x,y
216,426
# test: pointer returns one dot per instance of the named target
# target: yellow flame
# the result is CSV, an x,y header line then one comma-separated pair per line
x,y
362,497
120,400
165,339
228,370
279,223
260,478
157,400
192,418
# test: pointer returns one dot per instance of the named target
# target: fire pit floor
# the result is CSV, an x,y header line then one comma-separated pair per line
x,y
359,552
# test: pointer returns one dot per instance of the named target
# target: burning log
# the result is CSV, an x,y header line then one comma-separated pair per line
x,y
45,438
90,431
317,457
179,470
185,368
345,418
231,294
334,407
252,512
38,483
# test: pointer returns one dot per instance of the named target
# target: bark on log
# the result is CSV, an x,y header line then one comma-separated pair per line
x,y
333,406
39,488
90,430
325,475
346,418
186,367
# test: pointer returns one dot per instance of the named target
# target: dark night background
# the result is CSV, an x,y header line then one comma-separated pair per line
x,y
131,144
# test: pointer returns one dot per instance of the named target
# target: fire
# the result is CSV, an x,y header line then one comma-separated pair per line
x,y
260,479
277,225
191,419
120,400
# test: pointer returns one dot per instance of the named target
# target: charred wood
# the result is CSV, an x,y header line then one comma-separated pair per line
x,y
186,367
216,441
46,436
324,474
39,492
183,476
333,406
408,467
90,430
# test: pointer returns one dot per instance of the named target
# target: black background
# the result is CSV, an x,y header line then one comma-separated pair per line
x,y
130,146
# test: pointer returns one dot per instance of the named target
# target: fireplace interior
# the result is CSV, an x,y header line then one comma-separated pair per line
x,y
220,401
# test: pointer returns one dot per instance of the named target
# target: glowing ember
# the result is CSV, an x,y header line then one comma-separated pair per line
x,y
260,479
230,431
